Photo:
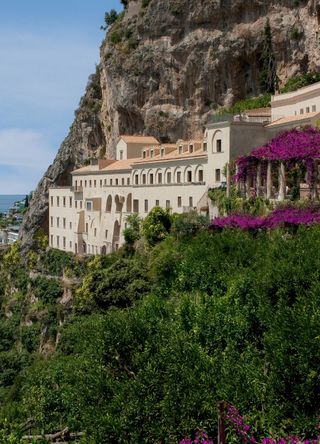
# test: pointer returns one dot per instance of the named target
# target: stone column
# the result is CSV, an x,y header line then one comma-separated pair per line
x,y
248,186
282,182
258,179
314,188
228,180
269,179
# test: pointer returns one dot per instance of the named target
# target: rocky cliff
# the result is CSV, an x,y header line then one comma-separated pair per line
x,y
166,64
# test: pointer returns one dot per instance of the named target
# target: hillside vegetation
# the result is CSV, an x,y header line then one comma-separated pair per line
x,y
156,335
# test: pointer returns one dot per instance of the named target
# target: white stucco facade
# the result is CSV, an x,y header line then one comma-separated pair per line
x,y
89,217
304,101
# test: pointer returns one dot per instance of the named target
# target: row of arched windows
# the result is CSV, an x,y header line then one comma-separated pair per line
x,y
176,175
120,202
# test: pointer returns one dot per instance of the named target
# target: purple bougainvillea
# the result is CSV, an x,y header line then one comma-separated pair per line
x,y
294,146
281,217
237,424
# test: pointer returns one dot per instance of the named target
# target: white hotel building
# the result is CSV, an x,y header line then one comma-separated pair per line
x,y
89,217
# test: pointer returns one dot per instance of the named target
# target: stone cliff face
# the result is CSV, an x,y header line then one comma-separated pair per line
x,y
166,64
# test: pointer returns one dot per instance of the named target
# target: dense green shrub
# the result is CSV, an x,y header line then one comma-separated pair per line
x,y
156,225
159,338
47,290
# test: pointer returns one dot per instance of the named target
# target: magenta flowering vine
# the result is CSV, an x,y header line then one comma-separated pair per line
x,y
243,431
200,438
291,147
281,217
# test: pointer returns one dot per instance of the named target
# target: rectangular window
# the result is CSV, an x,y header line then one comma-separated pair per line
x,y
51,221
58,241
70,225
76,204
64,243
307,110
122,181
301,111
128,181
70,245
136,179
95,232
70,202
218,175
64,201
58,222
117,182
80,204
151,153
151,179
51,240
100,183
52,201
106,234
89,205
121,155
189,176
157,203
205,146
200,175
85,184
190,201
105,182
58,202
190,148
87,227
180,151
162,152
144,179
64,223
95,184
90,183
167,203
110,182
135,205
219,146
146,206
169,177
159,177
179,201
179,177
314,108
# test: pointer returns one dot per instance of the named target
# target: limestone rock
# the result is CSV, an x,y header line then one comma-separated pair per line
x,y
166,65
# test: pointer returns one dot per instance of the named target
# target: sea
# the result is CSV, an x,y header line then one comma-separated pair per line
x,y
7,200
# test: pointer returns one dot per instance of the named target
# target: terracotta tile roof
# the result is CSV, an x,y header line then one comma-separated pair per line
x,y
120,165
86,169
293,119
140,139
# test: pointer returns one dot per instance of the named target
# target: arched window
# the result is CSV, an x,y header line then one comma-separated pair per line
x,y
129,203
109,204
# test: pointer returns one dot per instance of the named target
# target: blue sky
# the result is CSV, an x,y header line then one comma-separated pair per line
x,y
48,49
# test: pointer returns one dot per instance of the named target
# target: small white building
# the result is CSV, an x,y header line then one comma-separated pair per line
x,y
89,217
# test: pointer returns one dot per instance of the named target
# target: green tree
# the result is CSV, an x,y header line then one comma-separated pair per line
x,y
156,225
109,18
268,74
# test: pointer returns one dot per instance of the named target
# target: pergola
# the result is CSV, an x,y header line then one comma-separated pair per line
x,y
264,171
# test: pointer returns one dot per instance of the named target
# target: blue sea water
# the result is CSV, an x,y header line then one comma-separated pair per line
x,y
7,200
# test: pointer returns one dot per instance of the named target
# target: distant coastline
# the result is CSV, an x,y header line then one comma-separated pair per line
x,y
7,200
